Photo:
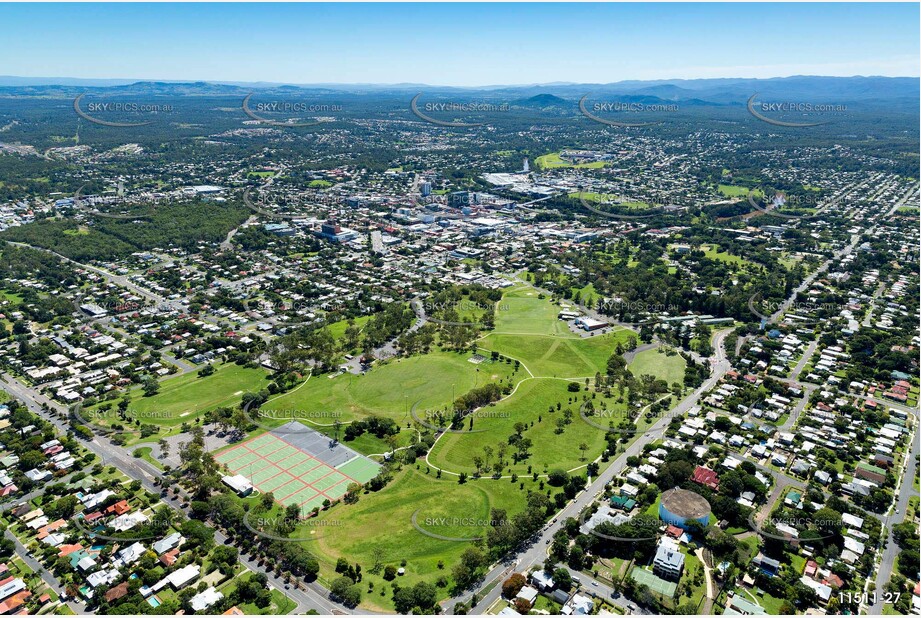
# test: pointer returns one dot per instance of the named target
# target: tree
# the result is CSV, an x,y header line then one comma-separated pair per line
x,y
266,500
465,572
418,599
346,590
513,585
562,579
151,387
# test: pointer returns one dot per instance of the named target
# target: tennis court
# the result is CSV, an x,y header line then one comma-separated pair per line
x,y
303,468
656,583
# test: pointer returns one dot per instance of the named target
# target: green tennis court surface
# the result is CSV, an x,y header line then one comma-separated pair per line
x,y
293,475
653,581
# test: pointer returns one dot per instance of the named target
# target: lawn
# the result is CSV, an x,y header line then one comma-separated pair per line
x,y
183,398
529,405
280,604
558,356
337,329
11,297
430,381
697,593
607,198
379,528
528,330
553,161
734,190
713,252
659,364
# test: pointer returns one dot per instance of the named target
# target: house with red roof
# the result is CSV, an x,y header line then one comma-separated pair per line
x,y
706,477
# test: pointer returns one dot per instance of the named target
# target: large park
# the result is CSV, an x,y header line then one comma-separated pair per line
x,y
447,481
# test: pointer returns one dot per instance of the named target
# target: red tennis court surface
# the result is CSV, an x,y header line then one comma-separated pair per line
x,y
292,475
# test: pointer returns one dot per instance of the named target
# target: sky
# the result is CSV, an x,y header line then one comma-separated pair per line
x,y
457,44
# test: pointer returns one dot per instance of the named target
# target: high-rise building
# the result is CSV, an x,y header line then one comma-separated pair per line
x,y
426,189
330,228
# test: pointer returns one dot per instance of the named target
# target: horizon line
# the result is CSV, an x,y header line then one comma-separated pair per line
x,y
238,82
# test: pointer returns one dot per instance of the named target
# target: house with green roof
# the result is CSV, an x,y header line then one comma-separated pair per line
x,y
623,503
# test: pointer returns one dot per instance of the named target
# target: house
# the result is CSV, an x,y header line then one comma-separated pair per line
x,y
706,477
179,578
736,605
11,586
13,603
822,591
205,599
528,594
768,566
128,555
168,543
623,503
102,577
669,561
542,580
579,605
119,591
560,596
169,558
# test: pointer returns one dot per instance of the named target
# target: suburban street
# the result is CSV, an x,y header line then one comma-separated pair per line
x,y
314,596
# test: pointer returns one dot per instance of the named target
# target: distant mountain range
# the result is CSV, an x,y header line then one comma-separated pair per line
x,y
690,91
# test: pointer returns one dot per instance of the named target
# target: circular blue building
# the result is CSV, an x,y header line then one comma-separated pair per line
x,y
679,507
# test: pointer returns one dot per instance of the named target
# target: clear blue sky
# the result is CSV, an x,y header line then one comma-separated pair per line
x,y
456,44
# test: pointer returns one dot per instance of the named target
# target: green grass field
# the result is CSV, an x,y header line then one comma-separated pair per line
x,y
712,252
552,160
380,524
530,405
390,390
529,331
734,190
184,398
660,365
603,198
